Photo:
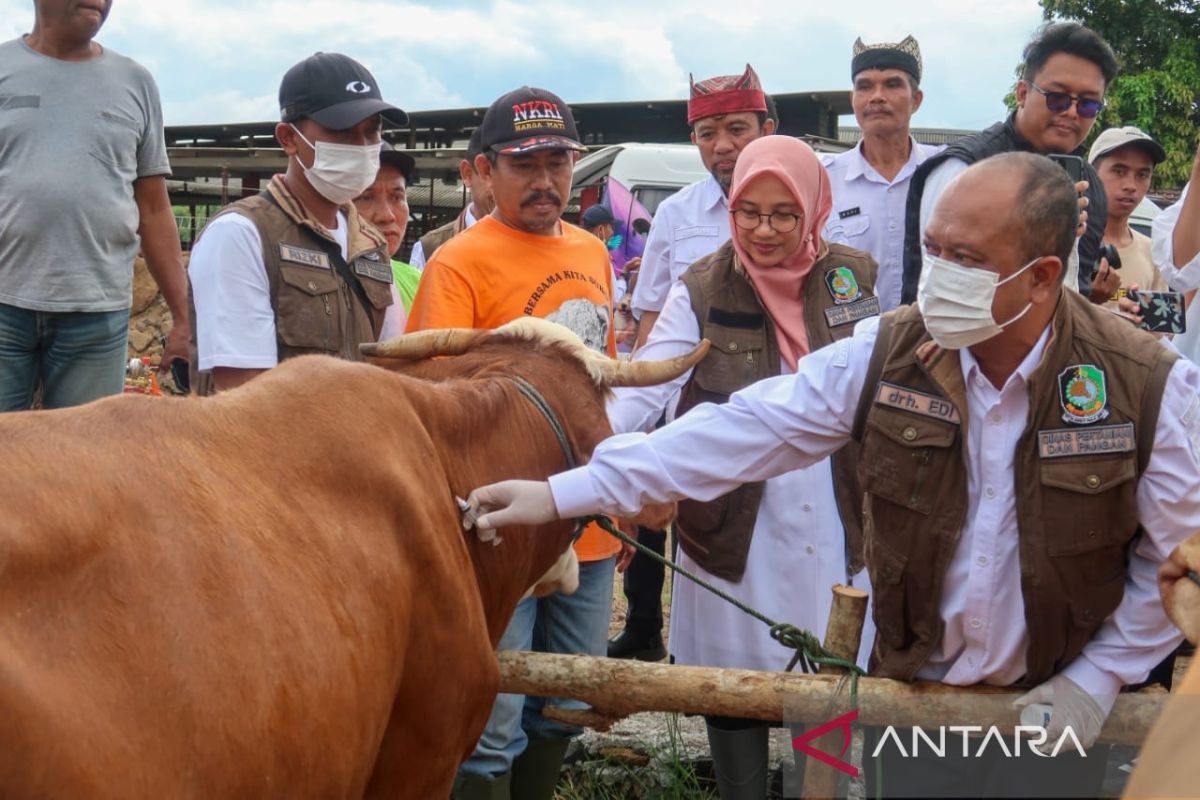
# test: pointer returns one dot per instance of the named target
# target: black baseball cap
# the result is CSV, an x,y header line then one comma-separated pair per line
x,y
595,215
529,119
335,91
388,154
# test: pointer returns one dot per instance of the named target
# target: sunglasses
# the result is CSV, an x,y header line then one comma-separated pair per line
x,y
1058,102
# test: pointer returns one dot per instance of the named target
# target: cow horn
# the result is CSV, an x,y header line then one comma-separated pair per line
x,y
650,373
423,344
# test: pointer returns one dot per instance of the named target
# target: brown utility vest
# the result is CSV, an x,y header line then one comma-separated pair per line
x,y
322,303
838,292
437,237
1093,401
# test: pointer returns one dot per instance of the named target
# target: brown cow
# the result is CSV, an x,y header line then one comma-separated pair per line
x,y
268,593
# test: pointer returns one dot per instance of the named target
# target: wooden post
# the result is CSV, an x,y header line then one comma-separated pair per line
x,y
618,688
842,638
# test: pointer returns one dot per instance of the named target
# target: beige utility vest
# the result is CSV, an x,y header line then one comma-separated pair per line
x,y
838,292
437,237
1094,403
322,303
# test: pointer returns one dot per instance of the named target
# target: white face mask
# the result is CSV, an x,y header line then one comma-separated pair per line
x,y
956,302
341,172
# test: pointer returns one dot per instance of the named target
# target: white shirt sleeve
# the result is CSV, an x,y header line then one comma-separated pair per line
x,y
235,324
675,333
395,318
417,258
935,184
1180,277
775,426
654,276
1139,635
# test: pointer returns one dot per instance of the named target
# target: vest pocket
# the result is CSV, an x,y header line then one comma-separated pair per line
x,y
1089,505
308,311
887,566
901,453
733,361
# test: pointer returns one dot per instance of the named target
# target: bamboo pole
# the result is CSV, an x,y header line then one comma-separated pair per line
x,y
843,635
618,688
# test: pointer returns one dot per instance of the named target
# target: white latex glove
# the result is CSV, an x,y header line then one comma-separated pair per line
x,y
1072,706
513,503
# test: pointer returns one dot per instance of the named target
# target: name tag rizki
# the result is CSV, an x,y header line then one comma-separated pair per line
x,y
926,405
1063,442
298,255
369,269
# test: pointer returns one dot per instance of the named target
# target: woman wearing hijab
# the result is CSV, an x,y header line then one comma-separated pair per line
x,y
764,300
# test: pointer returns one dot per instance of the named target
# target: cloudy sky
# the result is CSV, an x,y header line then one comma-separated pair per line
x,y
221,60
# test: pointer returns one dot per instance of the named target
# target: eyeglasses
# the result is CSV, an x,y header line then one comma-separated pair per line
x,y
1058,102
780,221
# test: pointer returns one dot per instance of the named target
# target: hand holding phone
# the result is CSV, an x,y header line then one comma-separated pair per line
x,y
1162,312
1072,164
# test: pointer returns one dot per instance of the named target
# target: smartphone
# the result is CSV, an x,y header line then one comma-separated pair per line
x,y
1072,164
1162,312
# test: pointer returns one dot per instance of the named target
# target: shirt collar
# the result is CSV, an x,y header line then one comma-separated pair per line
x,y
713,194
859,167
971,368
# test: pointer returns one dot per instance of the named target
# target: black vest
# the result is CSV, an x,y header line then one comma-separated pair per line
x,y
1000,138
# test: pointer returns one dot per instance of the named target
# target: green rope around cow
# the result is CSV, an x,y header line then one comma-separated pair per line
x,y
805,644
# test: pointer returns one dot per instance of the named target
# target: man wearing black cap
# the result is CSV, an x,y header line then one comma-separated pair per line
x,y
294,270
480,206
523,260
385,205
870,181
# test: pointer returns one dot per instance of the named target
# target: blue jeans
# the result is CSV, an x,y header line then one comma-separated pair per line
x,y
560,623
78,356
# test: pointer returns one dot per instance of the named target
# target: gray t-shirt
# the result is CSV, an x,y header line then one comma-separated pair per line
x,y
74,136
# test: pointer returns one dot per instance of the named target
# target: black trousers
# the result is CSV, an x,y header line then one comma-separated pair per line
x,y
643,586
990,774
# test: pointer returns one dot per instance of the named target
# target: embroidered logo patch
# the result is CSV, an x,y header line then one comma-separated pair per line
x,y
1083,395
914,402
842,285
1097,441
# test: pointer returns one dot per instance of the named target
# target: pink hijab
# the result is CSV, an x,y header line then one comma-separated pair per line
x,y
781,288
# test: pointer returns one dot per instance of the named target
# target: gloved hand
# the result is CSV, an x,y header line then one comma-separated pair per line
x,y
1072,706
513,503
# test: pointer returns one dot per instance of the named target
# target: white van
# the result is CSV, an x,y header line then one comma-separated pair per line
x,y
652,172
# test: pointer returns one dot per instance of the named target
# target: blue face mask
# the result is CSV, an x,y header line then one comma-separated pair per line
x,y
614,241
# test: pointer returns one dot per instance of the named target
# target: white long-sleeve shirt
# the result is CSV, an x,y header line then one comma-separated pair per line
x,y
687,226
792,421
797,549
868,212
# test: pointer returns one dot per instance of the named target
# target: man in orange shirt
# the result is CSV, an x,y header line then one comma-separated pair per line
x,y
523,260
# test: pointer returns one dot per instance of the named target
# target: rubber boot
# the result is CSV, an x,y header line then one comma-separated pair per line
x,y
535,772
740,762
479,787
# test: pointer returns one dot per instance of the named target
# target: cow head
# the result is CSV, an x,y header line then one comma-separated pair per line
x,y
574,382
